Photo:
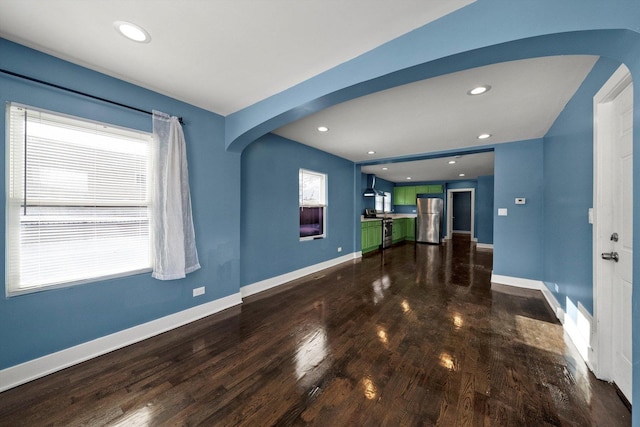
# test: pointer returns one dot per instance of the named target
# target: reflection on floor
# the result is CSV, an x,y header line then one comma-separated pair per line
x,y
412,335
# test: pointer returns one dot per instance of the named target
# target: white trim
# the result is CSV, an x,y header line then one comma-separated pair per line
x,y
580,330
450,192
272,282
517,282
45,365
553,303
484,246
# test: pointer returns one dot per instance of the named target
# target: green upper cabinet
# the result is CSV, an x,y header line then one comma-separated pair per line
x,y
422,189
398,195
435,189
410,196
429,189
406,195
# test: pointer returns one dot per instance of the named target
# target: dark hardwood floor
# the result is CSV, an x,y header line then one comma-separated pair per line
x,y
413,336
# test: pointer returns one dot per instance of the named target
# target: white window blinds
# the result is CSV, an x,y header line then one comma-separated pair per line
x,y
78,205
312,189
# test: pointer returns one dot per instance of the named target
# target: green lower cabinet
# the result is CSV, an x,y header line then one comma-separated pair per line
x,y
371,235
399,230
410,229
404,229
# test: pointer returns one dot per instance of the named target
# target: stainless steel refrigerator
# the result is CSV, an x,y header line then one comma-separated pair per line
x,y
429,220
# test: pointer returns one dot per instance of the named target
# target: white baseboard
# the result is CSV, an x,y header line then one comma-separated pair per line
x,y
45,365
272,282
484,246
580,331
518,282
553,303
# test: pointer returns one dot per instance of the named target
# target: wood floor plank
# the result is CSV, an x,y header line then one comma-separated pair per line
x,y
412,336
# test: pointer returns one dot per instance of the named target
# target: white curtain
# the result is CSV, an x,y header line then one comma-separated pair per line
x,y
173,234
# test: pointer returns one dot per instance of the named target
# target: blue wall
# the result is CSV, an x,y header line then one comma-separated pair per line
x,y
568,193
381,185
270,239
40,323
485,209
518,237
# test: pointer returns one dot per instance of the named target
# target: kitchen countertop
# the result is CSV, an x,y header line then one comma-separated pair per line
x,y
392,216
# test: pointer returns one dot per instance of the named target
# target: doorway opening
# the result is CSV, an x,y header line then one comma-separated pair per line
x,y
461,212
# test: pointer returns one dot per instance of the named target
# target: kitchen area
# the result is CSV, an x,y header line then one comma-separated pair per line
x,y
386,221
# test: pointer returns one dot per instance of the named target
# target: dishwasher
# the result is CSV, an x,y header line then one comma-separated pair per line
x,y
387,232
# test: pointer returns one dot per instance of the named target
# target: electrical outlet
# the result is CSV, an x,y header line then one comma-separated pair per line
x,y
198,291
339,248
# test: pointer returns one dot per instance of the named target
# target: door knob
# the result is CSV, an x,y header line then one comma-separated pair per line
x,y
610,256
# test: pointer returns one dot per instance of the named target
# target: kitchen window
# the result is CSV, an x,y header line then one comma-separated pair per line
x,y
312,197
78,200
383,202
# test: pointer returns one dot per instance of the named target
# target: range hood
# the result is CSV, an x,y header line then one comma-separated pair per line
x,y
371,191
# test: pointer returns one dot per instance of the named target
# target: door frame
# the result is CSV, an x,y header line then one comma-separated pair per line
x,y
601,354
450,211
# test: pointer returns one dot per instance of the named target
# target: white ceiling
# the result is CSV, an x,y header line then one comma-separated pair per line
x,y
471,165
225,55
220,55
437,114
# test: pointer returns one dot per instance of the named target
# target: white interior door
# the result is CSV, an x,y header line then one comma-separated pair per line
x,y
623,226
613,231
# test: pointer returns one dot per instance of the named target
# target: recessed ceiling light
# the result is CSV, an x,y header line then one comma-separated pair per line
x,y
460,174
408,177
484,136
322,129
479,90
384,169
451,162
371,152
132,31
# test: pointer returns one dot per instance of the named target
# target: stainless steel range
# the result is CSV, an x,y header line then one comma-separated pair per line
x,y
387,232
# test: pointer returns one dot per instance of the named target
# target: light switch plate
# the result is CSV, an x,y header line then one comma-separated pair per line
x,y
502,211
590,215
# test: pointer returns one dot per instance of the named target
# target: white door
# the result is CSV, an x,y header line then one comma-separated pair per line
x,y
623,225
613,231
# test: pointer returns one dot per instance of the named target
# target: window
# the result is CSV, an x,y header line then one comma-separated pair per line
x,y
312,195
383,202
78,205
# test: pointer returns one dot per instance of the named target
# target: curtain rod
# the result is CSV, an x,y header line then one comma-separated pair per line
x,y
77,92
